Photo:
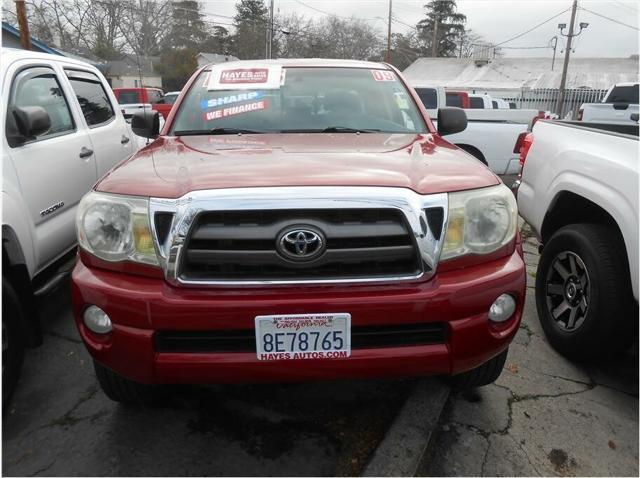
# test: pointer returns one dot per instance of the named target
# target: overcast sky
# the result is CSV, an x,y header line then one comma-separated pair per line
x,y
495,20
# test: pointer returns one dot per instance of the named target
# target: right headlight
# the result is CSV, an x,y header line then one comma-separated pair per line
x,y
116,228
480,221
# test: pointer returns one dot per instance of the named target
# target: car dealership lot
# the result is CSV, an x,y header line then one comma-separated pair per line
x,y
545,416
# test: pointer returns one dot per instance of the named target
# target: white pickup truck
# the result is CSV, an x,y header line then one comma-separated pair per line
x,y
63,131
491,134
579,192
620,105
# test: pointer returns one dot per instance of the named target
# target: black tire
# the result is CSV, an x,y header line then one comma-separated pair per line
x,y
485,374
12,341
123,390
604,321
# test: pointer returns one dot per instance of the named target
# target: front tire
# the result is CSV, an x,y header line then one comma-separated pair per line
x,y
123,390
583,292
485,374
12,340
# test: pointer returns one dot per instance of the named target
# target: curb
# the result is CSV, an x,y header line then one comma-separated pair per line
x,y
402,448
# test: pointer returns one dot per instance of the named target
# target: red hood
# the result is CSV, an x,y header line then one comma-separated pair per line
x,y
172,167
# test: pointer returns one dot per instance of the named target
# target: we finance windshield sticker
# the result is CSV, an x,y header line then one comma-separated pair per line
x,y
383,75
236,110
225,78
230,99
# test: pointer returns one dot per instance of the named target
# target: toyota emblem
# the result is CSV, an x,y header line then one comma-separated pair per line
x,y
300,244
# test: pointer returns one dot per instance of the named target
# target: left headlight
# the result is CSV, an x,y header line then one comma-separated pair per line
x,y
480,221
116,228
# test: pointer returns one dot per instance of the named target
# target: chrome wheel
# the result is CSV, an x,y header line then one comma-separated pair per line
x,y
567,291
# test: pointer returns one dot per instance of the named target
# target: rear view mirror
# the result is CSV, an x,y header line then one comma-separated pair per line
x,y
26,123
146,123
451,120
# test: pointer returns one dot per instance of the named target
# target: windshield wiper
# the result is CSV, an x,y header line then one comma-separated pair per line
x,y
345,129
215,131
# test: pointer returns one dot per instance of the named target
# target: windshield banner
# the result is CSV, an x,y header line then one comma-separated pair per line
x,y
267,77
236,110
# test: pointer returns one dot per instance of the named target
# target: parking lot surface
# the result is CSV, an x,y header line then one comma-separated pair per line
x,y
544,416
60,422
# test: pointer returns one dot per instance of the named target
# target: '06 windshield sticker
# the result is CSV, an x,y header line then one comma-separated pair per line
x,y
383,75
226,100
236,110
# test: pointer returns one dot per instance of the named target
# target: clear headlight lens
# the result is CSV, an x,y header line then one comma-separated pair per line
x,y
480,221
116,228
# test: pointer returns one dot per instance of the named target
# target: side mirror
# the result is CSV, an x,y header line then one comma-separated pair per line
x,y
451,120
26,123
146,123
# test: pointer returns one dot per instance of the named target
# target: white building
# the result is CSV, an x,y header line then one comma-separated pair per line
x,y
133,72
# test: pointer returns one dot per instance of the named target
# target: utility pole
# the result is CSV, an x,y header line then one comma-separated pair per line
x,y
271,30
388,57
434,46
21,12
563,81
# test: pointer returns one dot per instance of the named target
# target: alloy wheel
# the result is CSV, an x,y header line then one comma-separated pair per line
x,y
567,291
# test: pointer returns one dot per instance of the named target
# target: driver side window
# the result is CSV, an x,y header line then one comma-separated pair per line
x,y
44,90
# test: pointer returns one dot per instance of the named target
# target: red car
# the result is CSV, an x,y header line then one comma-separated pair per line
x,y
297,220
133,99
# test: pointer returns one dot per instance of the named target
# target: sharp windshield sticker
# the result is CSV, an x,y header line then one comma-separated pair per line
x,y
230,99
236,110
225,78
383,75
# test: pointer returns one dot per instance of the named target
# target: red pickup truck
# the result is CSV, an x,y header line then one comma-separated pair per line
x,y
133,99
297,220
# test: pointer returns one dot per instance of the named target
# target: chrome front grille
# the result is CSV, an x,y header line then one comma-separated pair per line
x,y
231,236
243,245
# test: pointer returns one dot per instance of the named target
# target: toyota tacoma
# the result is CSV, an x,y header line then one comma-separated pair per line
x,y
297,220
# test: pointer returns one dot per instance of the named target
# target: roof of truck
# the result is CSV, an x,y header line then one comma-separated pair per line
x,y
308,62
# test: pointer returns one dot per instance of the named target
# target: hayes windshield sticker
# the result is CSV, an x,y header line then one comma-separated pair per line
x,y
225,78
236,110
383,75
230,99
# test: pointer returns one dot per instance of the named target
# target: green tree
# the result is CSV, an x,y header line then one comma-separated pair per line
x,y
176,67
442,27
188,29
251,22
218,41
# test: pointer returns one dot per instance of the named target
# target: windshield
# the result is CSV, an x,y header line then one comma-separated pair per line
x,y
308,100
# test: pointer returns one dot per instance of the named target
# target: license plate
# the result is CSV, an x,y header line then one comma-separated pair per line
x,y
305,336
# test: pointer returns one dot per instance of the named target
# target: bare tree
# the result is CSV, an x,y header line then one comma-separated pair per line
x,y
145,24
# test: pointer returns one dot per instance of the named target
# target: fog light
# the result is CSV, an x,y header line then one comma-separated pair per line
x,y
97,320
502,308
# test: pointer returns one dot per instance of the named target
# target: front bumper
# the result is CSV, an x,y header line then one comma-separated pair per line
x,y
141,306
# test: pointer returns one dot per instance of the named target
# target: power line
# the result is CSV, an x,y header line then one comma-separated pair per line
x,y
610,19
532,28
330,13
626,7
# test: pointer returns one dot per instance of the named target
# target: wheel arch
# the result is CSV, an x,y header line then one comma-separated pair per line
x,y
473,151
14,269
